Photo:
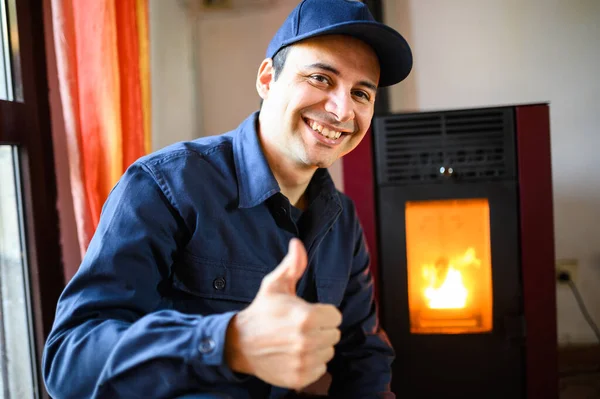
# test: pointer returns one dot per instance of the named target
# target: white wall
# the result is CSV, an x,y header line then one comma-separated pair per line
x,y
175,104
472,53
232,45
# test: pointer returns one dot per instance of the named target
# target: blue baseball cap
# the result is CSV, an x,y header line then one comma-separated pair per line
x,y
313,18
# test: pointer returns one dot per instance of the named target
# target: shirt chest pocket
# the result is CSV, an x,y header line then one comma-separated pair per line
x,y
210,286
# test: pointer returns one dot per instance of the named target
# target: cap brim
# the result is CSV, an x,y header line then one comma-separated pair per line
x,y
395,56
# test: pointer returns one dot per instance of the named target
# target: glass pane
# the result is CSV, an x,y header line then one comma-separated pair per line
x,y
449,266
17,372
11,88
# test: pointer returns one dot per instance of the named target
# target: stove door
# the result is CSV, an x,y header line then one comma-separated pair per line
x,y
451,289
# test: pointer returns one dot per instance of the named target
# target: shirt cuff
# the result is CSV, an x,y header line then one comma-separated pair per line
x,y
209,348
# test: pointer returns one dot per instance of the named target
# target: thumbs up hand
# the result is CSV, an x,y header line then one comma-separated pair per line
x,y
280,338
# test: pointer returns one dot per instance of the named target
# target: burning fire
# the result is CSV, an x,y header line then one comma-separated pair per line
x,y
446,289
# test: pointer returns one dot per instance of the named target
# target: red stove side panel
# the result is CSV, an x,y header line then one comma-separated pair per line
x,y
537,249
359,184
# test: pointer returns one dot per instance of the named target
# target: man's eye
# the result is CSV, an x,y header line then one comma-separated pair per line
x,y
319,78
362,94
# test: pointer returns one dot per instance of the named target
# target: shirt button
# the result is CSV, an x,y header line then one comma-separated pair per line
x,y
207,345
281,212
219,283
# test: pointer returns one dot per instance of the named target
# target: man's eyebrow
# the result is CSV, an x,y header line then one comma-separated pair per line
x,y
327,67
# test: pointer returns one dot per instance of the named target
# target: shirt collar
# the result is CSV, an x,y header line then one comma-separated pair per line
x,y
255,179
322,184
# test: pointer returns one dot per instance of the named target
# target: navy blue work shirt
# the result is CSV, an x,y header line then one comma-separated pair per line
x,y
184,241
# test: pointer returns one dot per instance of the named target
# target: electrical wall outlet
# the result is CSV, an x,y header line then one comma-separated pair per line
x,y
569,266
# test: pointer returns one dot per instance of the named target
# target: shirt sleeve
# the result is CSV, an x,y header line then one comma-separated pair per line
x,y
361,367
113,336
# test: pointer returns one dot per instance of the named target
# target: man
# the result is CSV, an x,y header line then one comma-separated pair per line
x,y
183,289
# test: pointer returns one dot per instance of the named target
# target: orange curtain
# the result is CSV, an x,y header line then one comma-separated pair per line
x,y
102,56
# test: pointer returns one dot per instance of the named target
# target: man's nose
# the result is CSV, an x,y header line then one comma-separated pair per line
x,y
340,104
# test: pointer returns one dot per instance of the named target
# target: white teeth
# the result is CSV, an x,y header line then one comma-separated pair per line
x,y
331,134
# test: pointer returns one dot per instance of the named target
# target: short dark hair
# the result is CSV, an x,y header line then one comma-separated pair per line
x,y
279,61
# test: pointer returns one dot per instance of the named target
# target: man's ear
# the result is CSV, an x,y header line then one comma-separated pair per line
x,y
264,78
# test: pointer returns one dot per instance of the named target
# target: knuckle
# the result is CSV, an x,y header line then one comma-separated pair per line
x,y
338,316
333,312
321,370
297,382
266,281
302,345
298,375
337,335
304,320
301,365
330,354
294,365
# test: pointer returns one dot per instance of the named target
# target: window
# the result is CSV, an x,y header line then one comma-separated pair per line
x,y
17,365
31,273
11,88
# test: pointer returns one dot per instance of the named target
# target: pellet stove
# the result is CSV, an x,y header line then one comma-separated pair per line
x,y
457,211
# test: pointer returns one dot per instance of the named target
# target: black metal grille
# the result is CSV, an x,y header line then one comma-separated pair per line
x,y
471,145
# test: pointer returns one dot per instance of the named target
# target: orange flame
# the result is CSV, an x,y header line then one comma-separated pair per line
x,y
446,289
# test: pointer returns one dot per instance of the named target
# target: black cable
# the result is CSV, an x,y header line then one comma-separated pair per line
x,y
583,309
566,278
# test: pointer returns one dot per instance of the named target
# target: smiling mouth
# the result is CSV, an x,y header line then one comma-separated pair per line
x,y
326,132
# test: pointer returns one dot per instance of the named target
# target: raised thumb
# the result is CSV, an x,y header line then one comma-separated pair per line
x,y
286,275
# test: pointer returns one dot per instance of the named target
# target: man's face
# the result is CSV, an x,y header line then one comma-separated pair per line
x,y
321,105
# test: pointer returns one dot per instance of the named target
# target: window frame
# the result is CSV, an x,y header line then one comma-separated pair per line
x,y
27,125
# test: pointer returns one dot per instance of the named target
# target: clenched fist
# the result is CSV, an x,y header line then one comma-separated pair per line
x,y
280,338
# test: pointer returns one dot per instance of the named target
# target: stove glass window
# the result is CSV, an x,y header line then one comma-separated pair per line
x,y
449,266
